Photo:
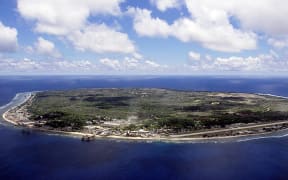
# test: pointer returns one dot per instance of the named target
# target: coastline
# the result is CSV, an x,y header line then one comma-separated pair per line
x,y
272,95
8,120
22,98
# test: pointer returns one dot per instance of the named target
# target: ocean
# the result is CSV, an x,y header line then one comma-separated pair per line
x,y
42,156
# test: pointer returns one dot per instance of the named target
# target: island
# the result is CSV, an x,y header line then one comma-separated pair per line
x,y
150,113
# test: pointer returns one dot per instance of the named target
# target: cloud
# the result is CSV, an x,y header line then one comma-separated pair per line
x,y
163,5
145,25
60,17
260,63
8,38
47,48
152,64
74,66
138,56
194,56
210,23
68,19
267,16
214,32
52,66
104,65
25,65
277,43
257,15
101,39
226,25
218,37
132,64
235,63
110,63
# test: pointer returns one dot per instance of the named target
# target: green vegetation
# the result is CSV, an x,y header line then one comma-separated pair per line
x,y
154,108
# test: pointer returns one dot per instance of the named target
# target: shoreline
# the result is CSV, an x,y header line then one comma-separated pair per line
x,y
171,138
272,95
27,96
80,135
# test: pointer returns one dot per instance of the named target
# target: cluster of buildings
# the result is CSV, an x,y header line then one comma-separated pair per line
x,y
112,129
20,116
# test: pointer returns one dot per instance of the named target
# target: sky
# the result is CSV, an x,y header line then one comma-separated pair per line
x,y
107,37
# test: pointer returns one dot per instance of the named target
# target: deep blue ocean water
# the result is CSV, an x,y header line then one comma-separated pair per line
x,y
42,156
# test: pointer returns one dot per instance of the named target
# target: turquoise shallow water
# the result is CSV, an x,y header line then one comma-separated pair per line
x,y
42,156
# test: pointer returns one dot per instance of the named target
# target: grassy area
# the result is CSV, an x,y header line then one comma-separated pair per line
x,y
155,108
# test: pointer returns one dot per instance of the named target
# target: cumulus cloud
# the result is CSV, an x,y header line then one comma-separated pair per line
x,y
110,63
163,5
256,15
20,66
69,20
219,37
104,65
101,39
132,64
152,64
235,63
46,48
59,17
83,66
214,32
8,38
194,56
145,25
224,25
278,43
210,23
138,56
33,66
267,16
252,64
260,63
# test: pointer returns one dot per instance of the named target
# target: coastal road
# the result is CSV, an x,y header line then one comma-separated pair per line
x,y
230,129
20,98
